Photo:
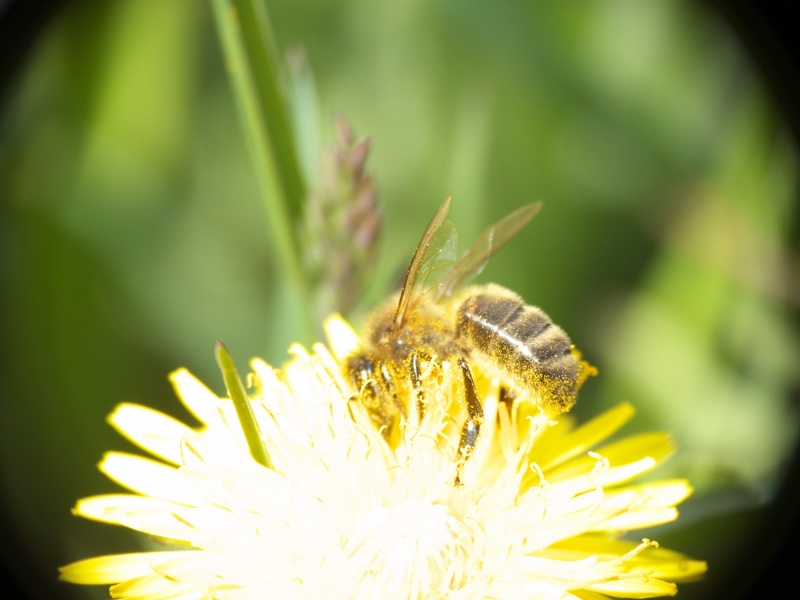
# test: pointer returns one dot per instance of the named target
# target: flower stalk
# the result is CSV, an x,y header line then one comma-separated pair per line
x,y
252,63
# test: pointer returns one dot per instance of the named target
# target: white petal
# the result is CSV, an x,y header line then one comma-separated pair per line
x,y
108,507
153,431
196,526
156,587
148,477
341,337
602,476
200,401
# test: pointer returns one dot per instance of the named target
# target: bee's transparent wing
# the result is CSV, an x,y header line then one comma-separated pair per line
x,y
434,254
490,241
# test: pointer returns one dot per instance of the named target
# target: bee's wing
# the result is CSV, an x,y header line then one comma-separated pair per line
x,y
436,250
490,241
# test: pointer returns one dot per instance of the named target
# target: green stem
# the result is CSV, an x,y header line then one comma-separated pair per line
x,y
251,60
259,44
244,410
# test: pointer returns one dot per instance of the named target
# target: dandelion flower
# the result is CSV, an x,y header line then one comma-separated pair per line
x,y
341,512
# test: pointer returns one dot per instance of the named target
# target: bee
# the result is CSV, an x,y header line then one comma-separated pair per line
x,y
489,326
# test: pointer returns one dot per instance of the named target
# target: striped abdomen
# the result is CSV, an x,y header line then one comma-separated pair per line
x,y
520,345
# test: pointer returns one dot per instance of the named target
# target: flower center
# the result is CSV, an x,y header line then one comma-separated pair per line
x,y
410,550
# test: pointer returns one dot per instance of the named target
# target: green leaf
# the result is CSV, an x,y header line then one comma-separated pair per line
x,y
244,410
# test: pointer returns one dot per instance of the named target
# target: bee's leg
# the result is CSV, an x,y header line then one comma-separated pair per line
x,y
416,380
388,385
472,426
506,395
362,371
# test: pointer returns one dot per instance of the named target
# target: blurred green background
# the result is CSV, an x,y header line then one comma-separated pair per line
x,y
134,236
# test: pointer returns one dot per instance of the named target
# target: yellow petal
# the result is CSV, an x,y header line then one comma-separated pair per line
x,y
114,567
557,445
658,494
636,587
653,445
588,595
636,519
661,563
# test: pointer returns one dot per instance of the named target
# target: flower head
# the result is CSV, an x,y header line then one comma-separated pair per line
x,y
341,512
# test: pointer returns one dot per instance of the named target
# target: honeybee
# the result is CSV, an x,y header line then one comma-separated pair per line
x,y
489,326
